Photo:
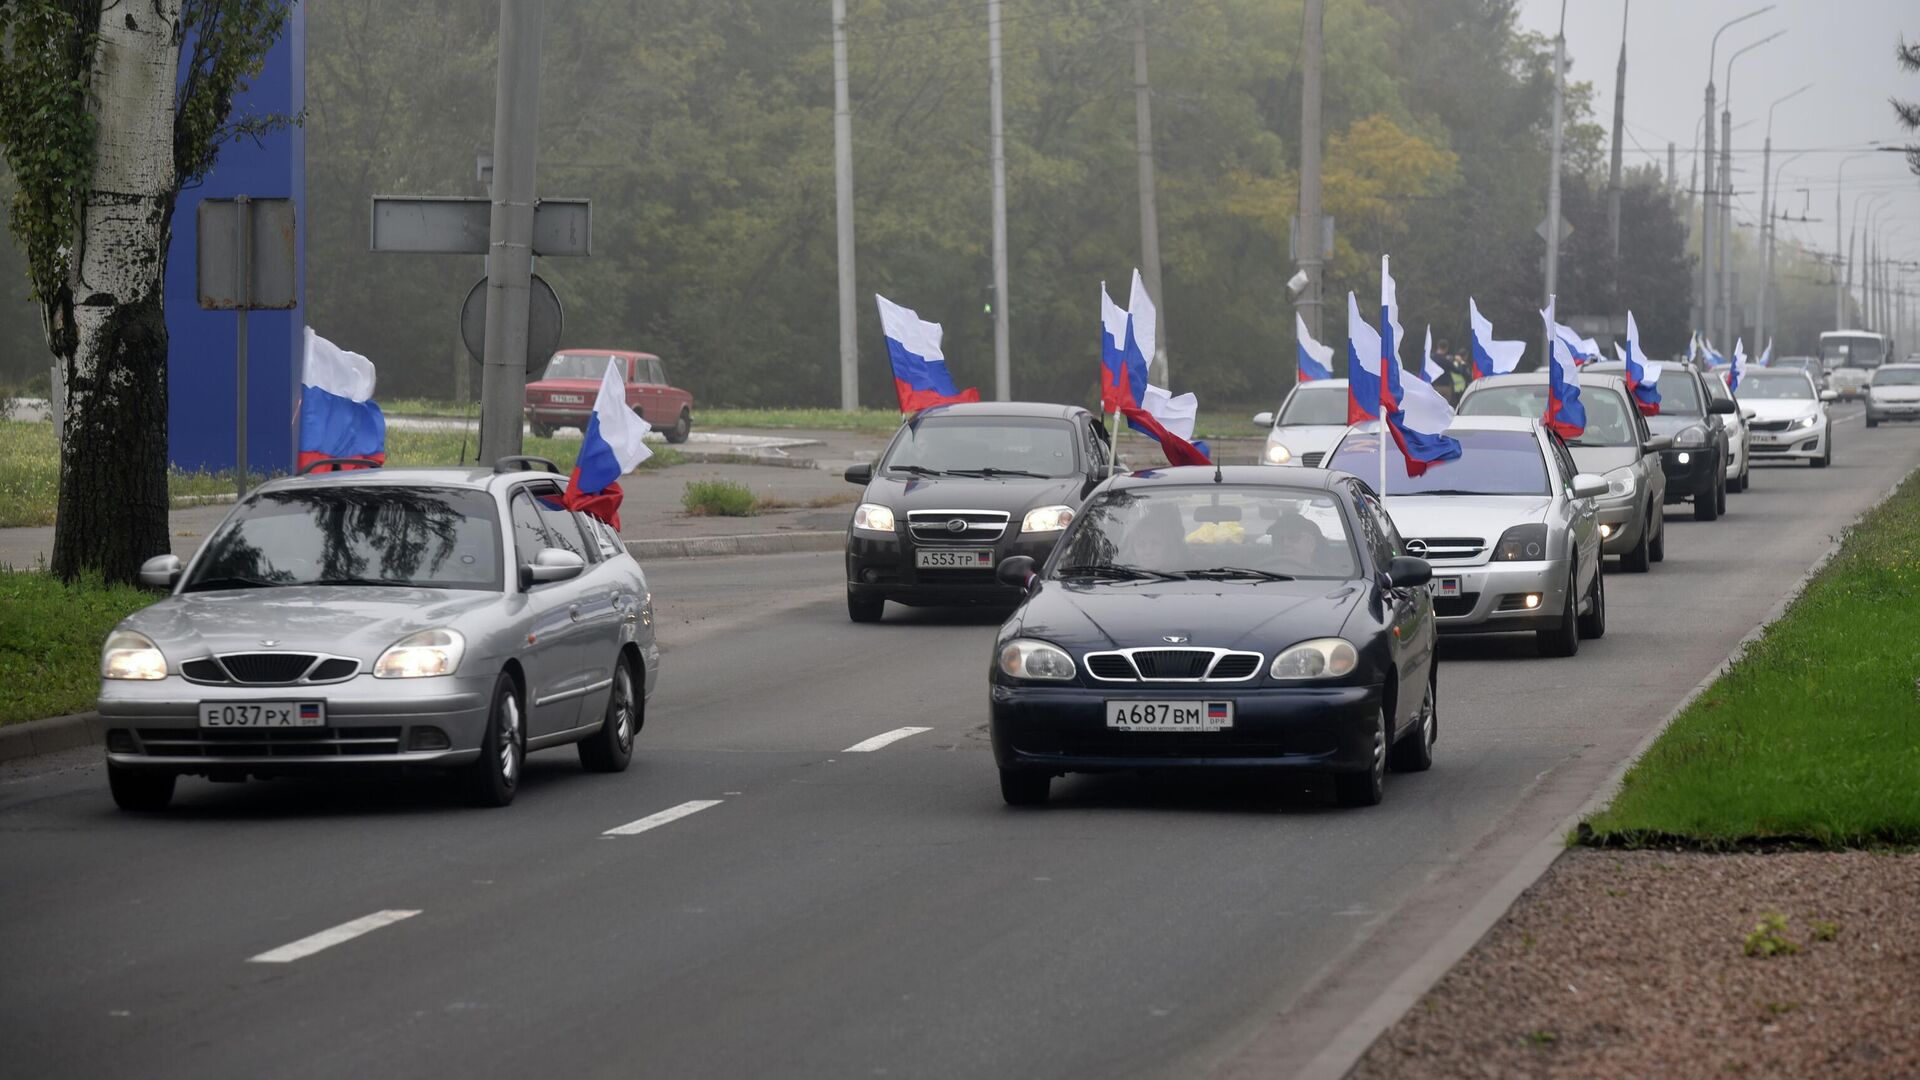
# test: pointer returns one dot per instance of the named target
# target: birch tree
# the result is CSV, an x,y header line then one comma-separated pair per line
x,y
108,108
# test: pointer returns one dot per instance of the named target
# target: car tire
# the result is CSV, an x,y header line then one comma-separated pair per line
x,y
1414,751
610,748
495,779
1720,498
1872,423
681,428
1369,786
1639,560
542,431
1706,504
1657,548
140,790
1024,787
1826,455
1594,623
862,609
1564,639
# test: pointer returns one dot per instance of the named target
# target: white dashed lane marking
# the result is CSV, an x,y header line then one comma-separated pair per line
x,y
327,939
654,821
878,741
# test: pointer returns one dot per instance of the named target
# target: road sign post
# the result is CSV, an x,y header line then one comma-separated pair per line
x,y
245,261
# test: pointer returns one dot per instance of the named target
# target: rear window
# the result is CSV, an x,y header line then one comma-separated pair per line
x,y
1490,463
1607,421
1328,406
581,366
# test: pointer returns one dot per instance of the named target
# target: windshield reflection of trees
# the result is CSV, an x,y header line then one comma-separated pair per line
x,y
384,534
1094,542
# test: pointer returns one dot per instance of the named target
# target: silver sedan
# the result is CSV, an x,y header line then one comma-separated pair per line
x,y
446,618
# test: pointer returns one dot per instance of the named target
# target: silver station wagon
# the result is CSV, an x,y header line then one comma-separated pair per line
x,y
446,618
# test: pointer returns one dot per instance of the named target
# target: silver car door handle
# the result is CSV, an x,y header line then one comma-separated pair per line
x,y
574,613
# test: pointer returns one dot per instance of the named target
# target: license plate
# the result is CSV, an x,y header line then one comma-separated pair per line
x,y
953,558
568,399
1445,586
1170,715
262,714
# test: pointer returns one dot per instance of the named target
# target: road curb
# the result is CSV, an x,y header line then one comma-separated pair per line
x,y
1340,1055
734,458
35,737
693,547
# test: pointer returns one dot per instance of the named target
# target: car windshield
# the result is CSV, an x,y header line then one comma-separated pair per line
x,y
367,534
1897,377
1490,463
579,366
1777,385
938,445
1316,406
1607,420
1854,350
1207,532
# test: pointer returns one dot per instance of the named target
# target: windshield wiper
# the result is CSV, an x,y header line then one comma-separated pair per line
x,y
917,470
997,472
231,583
1115,570
1222,573
1446,491
361,581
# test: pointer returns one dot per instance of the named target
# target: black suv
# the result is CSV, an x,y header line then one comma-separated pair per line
x,y
1696,465
960,489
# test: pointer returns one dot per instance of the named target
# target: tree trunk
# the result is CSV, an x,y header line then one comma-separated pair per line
x,y
108,327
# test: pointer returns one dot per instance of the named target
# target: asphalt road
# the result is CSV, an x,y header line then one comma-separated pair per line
x,y
836,913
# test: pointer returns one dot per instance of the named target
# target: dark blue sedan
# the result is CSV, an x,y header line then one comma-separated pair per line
x,y
1246,617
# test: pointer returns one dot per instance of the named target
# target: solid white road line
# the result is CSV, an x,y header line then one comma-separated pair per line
x,y
654,821
326,939
878,741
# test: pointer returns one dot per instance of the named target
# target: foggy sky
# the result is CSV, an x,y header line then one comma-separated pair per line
x,y
1843,47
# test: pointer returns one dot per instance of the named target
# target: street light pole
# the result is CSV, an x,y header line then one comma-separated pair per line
x,y
1766,216
1840,287
1307,232
843,213
1553,181
1707,201
1770,233
1002,383
1149,214
1613,169
516,136
1727,328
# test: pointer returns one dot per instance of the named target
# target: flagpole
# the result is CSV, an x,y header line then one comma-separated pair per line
x,y
1113,458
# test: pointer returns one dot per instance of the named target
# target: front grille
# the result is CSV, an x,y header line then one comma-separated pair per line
x,y
1454,606
1235,666
1447,548
203,670
1172,663
1312,461
1190,665
1110,666
1770,425
337,668
977,526
267,667
270,742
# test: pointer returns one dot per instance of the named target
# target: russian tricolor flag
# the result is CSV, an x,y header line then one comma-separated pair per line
x,y
1738,372
1365,388
1429,370
1491,357
611,449
1126,342
338,417
920,373
1565,414
1643,375
1416,413
1316,360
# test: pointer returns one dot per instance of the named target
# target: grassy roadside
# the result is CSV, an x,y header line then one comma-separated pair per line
x,y
50,635
1810,738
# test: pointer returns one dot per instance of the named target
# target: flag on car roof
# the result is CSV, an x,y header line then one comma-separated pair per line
x,y
1565,414
1316,360
612,448
1429,370
1491,357
920,375
1365,388
1766,355
1738,372
1416,414
1123,372
338,416
1643,375
1127,340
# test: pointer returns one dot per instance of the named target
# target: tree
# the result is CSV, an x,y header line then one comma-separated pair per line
x,y
106,111
1909,111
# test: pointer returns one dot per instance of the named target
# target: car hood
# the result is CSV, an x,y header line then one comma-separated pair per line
x,y
350,620
1601,460
1225,615
1014,494
1485,516
1307,438
1896,393
1781,408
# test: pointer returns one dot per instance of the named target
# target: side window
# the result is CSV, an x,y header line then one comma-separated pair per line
x,y
561,526
656,372
1376,529
529,535
1098,449
1563,459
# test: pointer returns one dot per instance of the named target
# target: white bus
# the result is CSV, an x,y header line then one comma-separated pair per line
x,y
1849,357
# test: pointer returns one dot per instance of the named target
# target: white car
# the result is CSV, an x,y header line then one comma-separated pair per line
x,y
1739,433
1894,393
1309,422
1790,416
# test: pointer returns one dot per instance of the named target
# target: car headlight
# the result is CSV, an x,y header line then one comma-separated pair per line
x,y
1620,484
1691,435
1802,423
1278,454
131,655
872,517
1024,658
1522,543
1047,519
1321,658
416,656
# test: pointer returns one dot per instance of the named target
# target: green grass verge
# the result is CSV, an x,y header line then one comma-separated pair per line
x,y
718,498
1810,738
50,636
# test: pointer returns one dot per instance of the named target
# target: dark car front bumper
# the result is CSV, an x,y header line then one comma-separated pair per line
x,y
883,568
1064,729
1690,477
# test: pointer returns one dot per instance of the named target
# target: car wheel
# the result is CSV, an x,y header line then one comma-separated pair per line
x,y
1706,504
1594,623
864,609
1640,559
611,747
544,431
1366,788
1024,787
1871,422
1564,639
1720,497
681,428
1414,751
1826,456
1657,549
140,789
495,778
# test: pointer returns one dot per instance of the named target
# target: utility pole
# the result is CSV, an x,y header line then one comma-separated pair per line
x,y
516,122
1553,180
1002,378
1852,235
1307,233
1728,328
1763,303
1707,203
1613,171
1149,218
843,213
1673,169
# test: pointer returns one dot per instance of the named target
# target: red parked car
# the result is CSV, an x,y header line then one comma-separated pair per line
x,y
563,396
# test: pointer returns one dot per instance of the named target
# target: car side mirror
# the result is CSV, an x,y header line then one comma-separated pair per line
x,y
1015,571
1407,572
551,565
1748,414
1829,395
1656,444
1722,407
1588,486
860,474
1263,419
160,572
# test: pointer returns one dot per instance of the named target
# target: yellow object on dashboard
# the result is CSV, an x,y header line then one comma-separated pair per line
x,y
1218,532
